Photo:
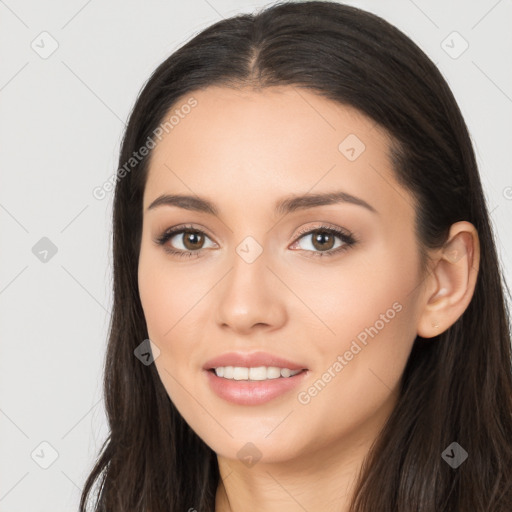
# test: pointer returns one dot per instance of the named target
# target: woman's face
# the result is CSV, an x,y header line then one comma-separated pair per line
x,y
256,278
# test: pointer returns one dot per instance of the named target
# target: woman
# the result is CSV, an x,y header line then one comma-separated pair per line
x,y
308,307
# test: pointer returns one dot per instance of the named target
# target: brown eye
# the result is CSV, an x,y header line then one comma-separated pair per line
x,y
193,240
323,240
184,241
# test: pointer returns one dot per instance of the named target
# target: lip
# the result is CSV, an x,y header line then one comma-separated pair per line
x,y
252,392
252,360
246,392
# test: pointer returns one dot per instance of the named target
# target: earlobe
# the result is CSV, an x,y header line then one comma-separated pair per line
x,y
452,281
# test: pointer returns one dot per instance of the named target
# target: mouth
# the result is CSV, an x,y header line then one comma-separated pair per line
x,y
252,386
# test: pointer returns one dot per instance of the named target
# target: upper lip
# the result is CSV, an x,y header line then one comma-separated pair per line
x,y
251,360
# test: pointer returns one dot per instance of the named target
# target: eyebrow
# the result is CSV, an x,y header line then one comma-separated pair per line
x,y
283,206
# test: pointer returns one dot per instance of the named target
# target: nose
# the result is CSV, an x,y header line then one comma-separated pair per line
x,y
250,297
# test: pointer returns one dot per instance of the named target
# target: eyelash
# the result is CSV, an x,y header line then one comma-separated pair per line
x,y
347,238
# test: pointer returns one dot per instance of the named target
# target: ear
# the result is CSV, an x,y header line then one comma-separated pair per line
x,y
451,283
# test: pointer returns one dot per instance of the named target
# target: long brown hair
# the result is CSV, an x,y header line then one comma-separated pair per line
x,y
456,387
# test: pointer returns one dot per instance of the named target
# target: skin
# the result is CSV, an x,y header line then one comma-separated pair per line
x,y
244,150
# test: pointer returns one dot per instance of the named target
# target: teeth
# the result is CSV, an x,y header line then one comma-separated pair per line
x,y
240,373
258,373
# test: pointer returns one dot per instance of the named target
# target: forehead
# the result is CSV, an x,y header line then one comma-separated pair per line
x,y
269,143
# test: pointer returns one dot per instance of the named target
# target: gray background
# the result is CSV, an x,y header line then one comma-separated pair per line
x,y
61,121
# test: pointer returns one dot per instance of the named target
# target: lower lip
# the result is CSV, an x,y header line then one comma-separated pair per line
x,y
252,392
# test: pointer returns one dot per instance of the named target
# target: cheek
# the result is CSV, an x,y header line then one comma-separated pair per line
x,y
366,289
164,304
357,374
368,307
167,297
155,302
174,307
